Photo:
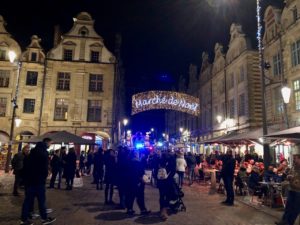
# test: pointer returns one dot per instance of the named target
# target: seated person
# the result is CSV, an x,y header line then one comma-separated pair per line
x,y
254,180
240,178
269,174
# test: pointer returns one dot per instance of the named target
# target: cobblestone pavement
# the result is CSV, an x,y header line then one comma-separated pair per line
x,y
84,206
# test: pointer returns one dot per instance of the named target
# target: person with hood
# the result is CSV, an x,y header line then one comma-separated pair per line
x,y
35,175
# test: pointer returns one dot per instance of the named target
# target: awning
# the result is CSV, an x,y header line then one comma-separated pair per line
x,y
62,137
293,133
218,139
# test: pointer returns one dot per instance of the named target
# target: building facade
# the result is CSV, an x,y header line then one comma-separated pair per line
x,y
71,87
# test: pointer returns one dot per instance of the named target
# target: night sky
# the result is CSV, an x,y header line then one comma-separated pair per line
x,y
160,37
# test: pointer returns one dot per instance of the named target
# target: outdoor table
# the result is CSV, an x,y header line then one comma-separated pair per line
x,y
273,190
213,180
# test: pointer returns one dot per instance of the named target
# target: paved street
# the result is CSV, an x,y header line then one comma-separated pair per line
x,y
84,206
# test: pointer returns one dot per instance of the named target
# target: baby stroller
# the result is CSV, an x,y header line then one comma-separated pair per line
x,y
176,203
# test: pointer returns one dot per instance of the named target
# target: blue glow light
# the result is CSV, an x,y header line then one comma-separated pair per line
x,y
139,146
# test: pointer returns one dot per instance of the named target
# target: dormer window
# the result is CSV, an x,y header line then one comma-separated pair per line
x,y
68,54
83,31
2,54
33,57
95,56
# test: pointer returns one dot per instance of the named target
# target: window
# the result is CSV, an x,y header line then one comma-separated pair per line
x,y
63,81
94,111
296,89
2,54
3,102
61,109
95,56
96,83
222,86
33,57
242,105
68,54
4,78
231,81
277,68
31,79
28,106
231,108
278,101
295,50
295,14
242,74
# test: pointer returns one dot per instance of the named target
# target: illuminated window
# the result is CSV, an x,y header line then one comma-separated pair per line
x,y
296,90
61,109
63,81
96,83
28,106
94,111
278,101
4,78
3,103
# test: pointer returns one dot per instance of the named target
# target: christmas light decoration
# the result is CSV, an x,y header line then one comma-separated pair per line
x,y
165,100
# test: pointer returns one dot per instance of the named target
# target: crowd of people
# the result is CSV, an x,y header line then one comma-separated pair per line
x,y
124,169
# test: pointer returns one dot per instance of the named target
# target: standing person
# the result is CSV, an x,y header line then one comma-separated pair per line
x,y
110,175
98,168
89,162
62,158
81,163
227,173
165,174
135,186
191,164
55,164
180,167
121,169
35,175
17,165
70,168
292,209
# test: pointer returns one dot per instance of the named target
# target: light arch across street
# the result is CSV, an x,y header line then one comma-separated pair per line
x,y
168,100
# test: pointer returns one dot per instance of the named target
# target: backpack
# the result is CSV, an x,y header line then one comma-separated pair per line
x,y
162,174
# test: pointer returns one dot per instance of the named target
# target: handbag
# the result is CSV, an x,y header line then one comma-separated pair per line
x,y
77,182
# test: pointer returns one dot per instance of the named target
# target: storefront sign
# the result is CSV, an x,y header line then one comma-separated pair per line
x,y
165,100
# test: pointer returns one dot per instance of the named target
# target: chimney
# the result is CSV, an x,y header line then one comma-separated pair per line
x,y
57,35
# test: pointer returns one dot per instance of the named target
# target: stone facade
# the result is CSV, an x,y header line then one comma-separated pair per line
x,y
70,88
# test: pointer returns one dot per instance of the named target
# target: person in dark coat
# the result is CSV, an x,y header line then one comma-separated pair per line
x,y
168,162
56,165
227,174
17,166
70,168
121,169
98,168
110,175
35,175
134,185
81,163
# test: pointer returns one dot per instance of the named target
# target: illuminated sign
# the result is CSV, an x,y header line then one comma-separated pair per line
x,y
165,100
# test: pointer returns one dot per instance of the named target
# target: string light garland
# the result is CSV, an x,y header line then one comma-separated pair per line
x,y
165,100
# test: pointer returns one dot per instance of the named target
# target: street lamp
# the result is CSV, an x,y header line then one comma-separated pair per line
x,y
125,122
12,56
